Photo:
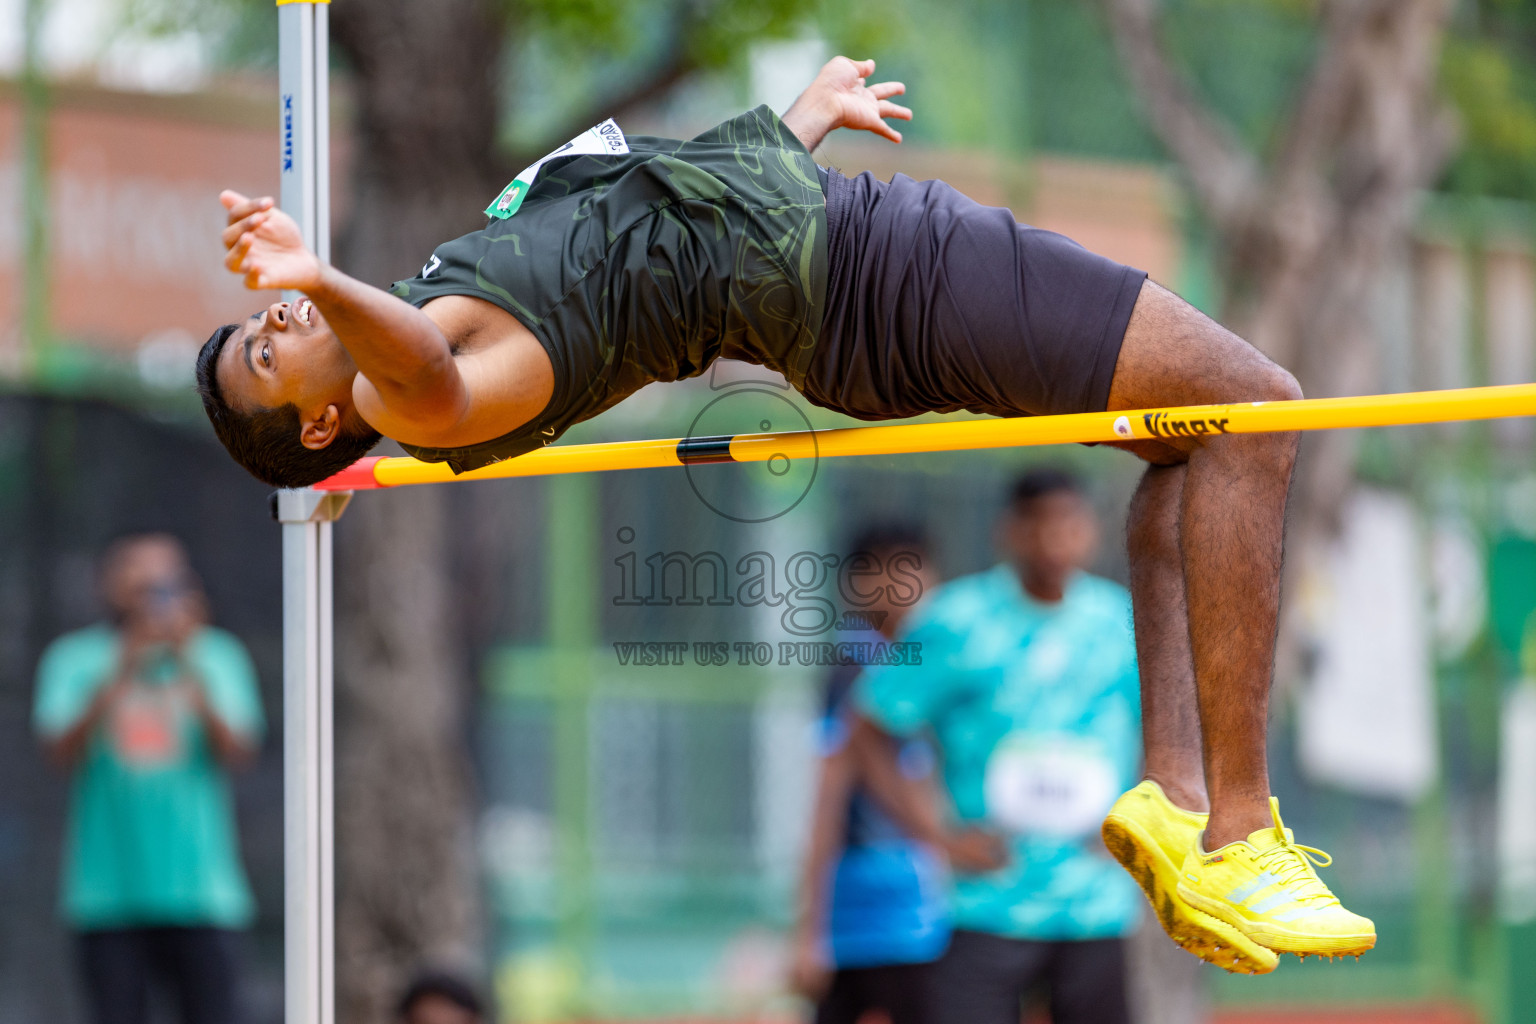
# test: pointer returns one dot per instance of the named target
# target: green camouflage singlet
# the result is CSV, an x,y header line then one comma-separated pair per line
x,y
646,266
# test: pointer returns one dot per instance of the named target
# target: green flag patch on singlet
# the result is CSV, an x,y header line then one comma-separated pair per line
x,y
606,138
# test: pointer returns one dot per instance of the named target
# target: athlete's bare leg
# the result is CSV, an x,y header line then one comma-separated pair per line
x,y
1170,715
1231,517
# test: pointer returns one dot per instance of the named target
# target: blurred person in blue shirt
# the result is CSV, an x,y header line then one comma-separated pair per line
x,y
1028,690
149,711
873,907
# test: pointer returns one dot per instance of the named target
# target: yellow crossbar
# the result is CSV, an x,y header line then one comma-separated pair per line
x,y
1185,421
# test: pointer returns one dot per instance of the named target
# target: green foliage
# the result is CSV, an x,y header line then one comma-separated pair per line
x,y
1082,103
1247,58
250,38
1001,74
1044,74
708,33
566,57
1496,100
168,16
612,27
963,64
731,26
859,29
244,31
1015,74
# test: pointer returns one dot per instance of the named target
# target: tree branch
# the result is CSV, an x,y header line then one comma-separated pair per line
x,y
1224,174
1320,117
1398,134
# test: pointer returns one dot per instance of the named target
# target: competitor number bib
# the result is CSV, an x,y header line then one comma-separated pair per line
x,y
607,138
1051,785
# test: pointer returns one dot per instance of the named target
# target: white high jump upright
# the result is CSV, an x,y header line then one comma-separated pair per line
x,y
309,960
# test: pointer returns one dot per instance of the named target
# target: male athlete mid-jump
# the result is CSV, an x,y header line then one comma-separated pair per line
x,y
618,261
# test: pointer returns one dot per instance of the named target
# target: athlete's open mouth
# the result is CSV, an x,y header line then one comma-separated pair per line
x,y
304,311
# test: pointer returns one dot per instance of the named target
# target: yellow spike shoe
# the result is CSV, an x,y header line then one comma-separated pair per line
x,y
1150,837
1267,887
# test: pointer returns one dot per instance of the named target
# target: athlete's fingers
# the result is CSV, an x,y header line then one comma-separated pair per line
x,y
235,258
889,109
245,211
240,206
865,68
232,233
257,279
881,128
885,90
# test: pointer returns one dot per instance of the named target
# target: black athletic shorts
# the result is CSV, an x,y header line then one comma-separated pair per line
x,y
936,303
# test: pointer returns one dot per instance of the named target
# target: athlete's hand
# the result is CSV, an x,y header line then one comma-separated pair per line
x,y
264,245
839,98
853,104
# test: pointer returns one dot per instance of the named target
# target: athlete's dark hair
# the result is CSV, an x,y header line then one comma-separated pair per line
x,y
1037,483
266,442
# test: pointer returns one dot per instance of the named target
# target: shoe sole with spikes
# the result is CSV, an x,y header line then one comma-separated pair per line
x,y
1196,932
1281,940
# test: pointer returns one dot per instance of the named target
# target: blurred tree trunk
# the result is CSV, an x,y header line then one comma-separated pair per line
x,y
426,77
407,886
1303,235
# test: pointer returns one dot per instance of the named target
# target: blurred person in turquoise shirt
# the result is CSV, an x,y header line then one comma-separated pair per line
x,y
149,711
1028,690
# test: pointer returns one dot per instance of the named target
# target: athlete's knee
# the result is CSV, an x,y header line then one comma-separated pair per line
x,y
1270,382
1249,374
1276,384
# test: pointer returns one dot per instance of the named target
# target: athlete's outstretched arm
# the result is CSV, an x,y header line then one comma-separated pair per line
x,y
838,98
397,348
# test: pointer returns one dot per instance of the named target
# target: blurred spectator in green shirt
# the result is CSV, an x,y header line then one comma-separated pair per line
x,y
149,711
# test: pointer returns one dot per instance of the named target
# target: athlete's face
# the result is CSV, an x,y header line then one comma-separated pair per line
x,y
285,354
